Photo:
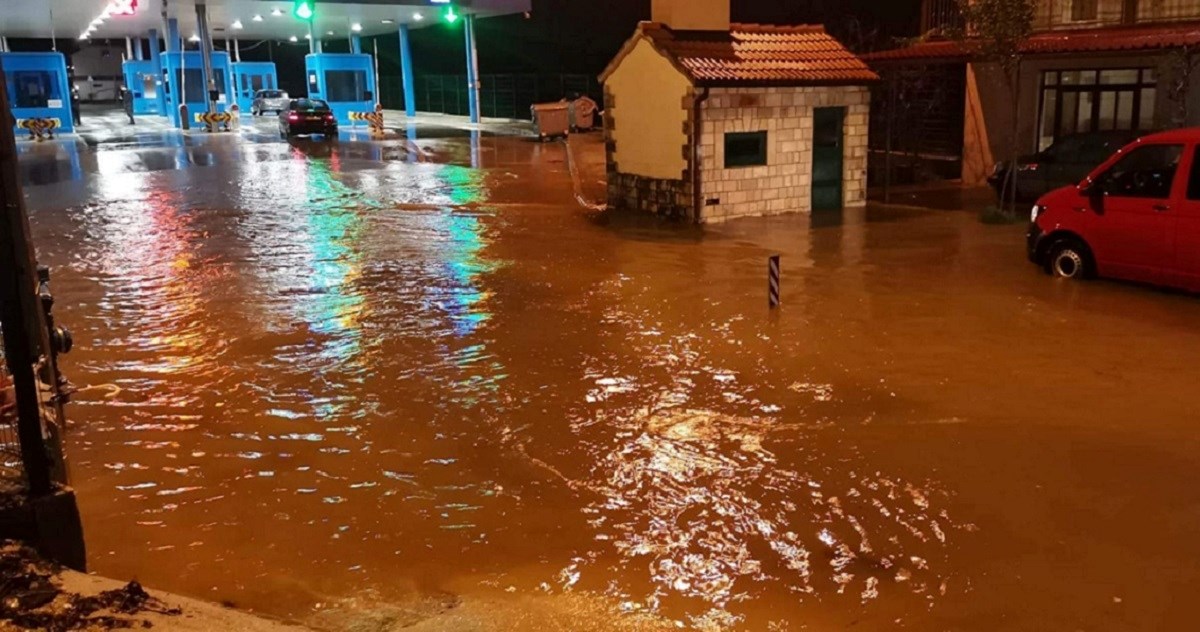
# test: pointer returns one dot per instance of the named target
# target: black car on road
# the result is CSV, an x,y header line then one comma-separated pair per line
x,y
307,116
1067,162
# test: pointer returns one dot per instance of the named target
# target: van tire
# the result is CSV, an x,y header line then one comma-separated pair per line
x,y
1069,258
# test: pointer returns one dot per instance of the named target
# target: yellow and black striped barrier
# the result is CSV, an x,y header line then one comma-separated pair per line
x,y
213,119
40,128
374,120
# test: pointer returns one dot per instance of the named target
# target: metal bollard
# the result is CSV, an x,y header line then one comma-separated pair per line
x,y
773,281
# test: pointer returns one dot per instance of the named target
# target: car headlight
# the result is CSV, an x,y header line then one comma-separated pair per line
x,y
1037,211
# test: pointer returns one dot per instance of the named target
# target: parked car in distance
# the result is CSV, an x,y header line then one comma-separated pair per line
x,y
1136,217
269,101
1064,163
307,116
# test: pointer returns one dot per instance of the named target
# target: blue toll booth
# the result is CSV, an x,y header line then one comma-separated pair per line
x,y
185,81
38,87
345,80
143,80
250,77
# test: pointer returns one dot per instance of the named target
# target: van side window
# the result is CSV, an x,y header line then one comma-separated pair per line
x,y
1145,172
1194,181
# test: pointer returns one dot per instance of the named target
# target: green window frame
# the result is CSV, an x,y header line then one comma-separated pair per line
x,y
745,149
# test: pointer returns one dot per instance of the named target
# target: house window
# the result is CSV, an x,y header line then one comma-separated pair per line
x,y
1082,101
745,149
1085,10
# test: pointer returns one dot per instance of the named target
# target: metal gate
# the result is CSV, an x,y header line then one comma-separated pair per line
x,y
828,159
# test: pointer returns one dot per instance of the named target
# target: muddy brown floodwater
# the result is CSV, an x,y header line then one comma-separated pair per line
x,y
329,382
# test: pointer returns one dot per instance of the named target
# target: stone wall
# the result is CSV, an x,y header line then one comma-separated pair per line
x,y
784,185
669,198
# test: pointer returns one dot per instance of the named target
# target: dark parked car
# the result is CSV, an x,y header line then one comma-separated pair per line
x,y
269,101
307,116
1064,163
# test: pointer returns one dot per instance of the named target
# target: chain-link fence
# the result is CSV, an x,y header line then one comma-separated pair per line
x,y
500,96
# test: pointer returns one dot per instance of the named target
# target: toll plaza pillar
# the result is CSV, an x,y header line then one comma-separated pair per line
x,y
156,61
173,41
406,73
472,67
206,51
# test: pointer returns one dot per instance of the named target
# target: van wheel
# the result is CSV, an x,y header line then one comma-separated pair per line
x,y
1069,259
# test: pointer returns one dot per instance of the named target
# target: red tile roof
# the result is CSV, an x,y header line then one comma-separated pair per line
x,y
1129,38
754,54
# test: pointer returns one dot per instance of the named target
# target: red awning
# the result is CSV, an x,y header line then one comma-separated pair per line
x,y
1153,37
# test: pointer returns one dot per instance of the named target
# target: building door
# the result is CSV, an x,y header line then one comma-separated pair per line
x,y
828,142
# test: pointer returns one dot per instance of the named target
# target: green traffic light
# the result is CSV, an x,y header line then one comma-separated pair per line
x,y
450,15
303,9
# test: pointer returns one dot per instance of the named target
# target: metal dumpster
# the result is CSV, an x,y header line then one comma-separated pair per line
x,y
551,119
583,114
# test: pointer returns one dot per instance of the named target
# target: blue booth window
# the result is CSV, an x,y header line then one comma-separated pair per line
x,y
193,84
35,89
345,86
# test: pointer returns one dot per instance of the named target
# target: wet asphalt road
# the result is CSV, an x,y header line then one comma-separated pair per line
x,y
332,380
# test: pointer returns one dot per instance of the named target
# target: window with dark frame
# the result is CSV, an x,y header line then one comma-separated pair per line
x,y
1084,101
745,149
1085,10
346,85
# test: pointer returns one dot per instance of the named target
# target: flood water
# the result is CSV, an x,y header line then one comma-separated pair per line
x,y
423,386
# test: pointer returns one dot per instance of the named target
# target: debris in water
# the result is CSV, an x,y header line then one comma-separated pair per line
x,y
32,598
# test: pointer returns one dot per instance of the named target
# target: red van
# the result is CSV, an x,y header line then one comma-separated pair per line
x,y
1136,217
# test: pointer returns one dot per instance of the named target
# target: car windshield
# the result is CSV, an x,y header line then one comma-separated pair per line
x,y
309,105
1090,149
273,94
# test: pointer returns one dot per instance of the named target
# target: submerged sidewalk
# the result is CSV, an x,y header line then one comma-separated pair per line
x,y
37,595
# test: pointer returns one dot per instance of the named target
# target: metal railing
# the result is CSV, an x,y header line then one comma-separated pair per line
x,y
941,15
1054,15
10,443
500,96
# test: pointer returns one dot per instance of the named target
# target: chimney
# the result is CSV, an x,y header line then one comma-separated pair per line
x,y
692,15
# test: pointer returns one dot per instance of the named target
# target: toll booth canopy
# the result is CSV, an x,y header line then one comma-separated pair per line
x,y
185,82
141,78
251,76
38,88
345,80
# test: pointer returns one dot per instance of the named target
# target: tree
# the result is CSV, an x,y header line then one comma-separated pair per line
x,y
996,31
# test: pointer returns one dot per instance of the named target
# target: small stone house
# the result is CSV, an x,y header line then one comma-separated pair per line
x,y
708,121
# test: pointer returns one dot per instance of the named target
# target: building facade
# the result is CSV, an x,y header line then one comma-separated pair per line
x,y
1091,65
715,121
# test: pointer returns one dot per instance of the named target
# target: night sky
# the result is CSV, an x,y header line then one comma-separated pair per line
x,y
581,36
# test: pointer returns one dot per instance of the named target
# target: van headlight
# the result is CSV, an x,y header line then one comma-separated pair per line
x,y
1037,211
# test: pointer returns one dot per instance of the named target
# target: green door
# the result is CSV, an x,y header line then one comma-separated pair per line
x,y
828,140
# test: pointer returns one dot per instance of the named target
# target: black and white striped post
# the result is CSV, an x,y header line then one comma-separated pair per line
x,y
773,281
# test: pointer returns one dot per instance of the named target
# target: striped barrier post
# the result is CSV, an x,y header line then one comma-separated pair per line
x,y
40,128
773,281
374,121
377,121
211,120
